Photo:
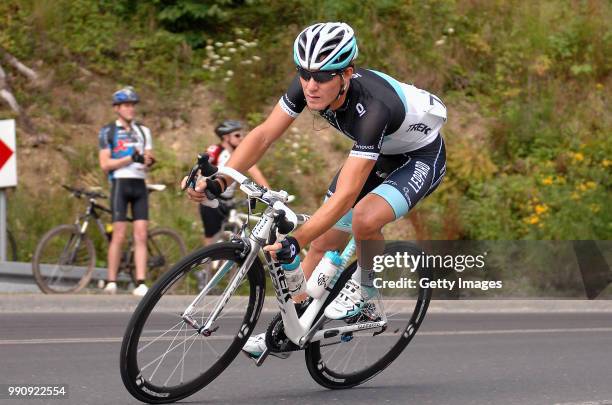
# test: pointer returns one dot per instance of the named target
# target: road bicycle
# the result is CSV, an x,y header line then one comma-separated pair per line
x,y
65,257
172,349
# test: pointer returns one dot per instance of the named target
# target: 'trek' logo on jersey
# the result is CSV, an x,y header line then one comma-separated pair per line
x,y
420,127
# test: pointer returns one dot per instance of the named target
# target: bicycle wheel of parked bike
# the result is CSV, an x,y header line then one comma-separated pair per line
x,y
347,360
64,260
165,248
163,358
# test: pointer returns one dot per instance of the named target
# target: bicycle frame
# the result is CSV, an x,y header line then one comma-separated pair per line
x,y
300,330
83,220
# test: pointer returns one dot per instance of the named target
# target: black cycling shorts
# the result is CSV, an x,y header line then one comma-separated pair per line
x,y
212,218
132,192
403,180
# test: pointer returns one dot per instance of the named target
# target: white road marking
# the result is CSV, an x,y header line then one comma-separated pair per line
x,y
225,337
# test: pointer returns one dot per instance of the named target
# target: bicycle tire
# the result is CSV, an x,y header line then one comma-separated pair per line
x,y
42,253
158,261
12,245
330,378
141,387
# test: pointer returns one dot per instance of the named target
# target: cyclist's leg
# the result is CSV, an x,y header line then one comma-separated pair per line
x,y
416,178
140,213
119,211
333,239
212,220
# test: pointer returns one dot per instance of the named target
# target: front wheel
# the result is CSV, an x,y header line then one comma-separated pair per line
x,y
163,357
348,360
64,260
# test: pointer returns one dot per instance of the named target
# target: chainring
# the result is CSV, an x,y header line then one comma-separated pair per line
x,y
276,340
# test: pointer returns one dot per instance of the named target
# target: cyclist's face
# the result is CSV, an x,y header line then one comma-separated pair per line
x,y
234,138
127,111
319,95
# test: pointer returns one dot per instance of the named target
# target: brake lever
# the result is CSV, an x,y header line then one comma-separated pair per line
x,y
192,177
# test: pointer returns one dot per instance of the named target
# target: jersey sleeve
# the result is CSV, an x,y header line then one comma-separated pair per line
x,y
369,130
103,137
293,102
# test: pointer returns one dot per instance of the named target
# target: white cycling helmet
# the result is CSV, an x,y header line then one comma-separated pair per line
x,y
325,46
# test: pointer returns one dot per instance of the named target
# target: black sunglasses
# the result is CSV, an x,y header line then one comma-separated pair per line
x,y
320,76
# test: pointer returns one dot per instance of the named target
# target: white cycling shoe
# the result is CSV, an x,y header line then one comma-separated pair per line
x,y
255,346
349,302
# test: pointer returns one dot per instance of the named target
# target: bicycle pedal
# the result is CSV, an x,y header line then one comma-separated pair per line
x,y
262,357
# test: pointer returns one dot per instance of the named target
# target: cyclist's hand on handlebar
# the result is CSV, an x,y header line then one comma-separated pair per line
x,y
195,194
284,251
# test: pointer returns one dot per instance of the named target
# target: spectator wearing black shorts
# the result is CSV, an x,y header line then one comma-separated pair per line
x,y
126,155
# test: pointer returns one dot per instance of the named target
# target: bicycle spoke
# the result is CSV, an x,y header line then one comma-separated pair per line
x,y
160,336
163,355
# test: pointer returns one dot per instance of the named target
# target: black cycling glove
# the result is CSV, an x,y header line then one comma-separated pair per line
x,y
290,249
137,157
214,187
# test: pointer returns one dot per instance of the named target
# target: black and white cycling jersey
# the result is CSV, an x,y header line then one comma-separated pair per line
x,y
381,114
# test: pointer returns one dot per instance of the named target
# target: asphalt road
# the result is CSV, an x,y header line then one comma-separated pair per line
x,y
455,358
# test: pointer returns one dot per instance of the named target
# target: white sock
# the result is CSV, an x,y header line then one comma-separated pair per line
x,y
364,277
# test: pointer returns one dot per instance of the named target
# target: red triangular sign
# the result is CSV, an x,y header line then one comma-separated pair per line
x,y
5,153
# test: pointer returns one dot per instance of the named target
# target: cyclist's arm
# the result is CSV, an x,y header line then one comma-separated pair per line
x,y
258,176
107,163
351,180
369,132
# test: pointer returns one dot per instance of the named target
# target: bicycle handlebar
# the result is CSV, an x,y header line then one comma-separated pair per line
x,y
79,192
288,220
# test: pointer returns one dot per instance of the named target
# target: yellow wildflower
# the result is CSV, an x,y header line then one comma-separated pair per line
x,y
547,181
591,184
532,220
581,187
541,209
606,163
578,157
575,196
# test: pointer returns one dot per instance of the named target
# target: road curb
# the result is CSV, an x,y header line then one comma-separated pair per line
x,y
80,303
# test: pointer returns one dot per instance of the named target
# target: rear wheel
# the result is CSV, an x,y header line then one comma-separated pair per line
x,y
64,260
163,358
348,360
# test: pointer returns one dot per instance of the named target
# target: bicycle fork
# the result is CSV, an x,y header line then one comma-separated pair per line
x,y
207,328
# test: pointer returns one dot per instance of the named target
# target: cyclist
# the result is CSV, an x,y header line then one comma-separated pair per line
x,y
126,154
398,157
230,134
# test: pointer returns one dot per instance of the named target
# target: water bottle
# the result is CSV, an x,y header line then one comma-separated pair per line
x,y
295,277
323,274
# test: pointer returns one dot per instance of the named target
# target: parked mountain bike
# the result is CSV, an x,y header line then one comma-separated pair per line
x,y
173,349
65,257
